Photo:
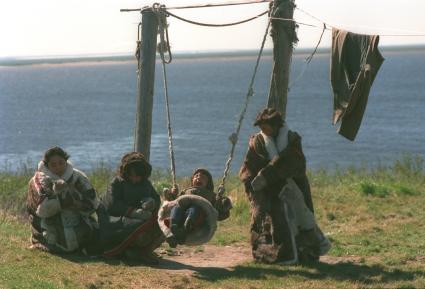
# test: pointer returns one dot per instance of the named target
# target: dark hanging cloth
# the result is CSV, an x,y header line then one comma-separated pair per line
x,y
354,64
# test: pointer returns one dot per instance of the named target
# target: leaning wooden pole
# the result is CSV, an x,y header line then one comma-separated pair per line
x,y
284,36
146,80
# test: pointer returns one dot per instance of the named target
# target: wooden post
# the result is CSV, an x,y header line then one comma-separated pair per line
x,y
146,80
284,36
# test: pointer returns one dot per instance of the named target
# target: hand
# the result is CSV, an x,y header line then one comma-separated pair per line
x,y
148,204
170,195
140,214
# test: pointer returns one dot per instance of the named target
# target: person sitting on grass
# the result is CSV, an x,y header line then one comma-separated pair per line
x,y
60,202
184,219
128,217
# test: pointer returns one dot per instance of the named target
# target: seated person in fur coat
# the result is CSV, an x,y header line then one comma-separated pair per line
x,y
184,220
128,217
274,156
60,202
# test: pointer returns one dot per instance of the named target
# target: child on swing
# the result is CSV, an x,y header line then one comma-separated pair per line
x,y
184,220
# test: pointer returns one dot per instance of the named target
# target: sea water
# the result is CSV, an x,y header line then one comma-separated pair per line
x,y
88,108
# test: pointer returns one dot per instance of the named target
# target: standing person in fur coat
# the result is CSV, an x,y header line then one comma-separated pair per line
x,y
60,202
283,228
128,222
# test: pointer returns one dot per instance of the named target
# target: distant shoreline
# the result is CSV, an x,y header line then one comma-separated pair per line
x,y
109,59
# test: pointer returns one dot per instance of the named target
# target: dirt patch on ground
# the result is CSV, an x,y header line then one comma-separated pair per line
x,y
196,259
190,259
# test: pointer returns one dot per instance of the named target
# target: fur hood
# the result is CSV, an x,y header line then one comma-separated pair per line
x,y
66,176
134,159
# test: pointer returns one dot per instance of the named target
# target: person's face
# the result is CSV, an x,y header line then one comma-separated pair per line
x,y
133,178
57,165
200,180
269,130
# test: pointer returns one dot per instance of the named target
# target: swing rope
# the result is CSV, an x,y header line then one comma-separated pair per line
x,y
165,44
217,25
233,138
161,14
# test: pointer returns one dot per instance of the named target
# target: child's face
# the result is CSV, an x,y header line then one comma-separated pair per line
x,y
269,130
134,178
200,180
57,165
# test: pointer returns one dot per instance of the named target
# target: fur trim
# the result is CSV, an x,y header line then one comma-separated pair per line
x,y
274,147
48,208
71,176
301,220
136,159
199,236
66,176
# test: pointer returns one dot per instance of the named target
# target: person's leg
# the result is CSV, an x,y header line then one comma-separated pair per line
x,y
177,216
192,214
176,225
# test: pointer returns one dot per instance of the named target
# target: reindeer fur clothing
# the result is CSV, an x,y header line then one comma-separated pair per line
x,y
274,160
54,227
119,231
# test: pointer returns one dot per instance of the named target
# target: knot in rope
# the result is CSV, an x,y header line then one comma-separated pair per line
x,y
221,190
164,44
138,46
233,138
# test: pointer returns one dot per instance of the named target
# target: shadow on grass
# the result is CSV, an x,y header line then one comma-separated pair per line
x,y
346,271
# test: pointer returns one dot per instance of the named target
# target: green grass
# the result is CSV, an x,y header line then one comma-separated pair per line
x,y
374,218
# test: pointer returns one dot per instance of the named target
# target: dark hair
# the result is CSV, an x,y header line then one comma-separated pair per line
x,y
134,162
54,151
205,172
269,116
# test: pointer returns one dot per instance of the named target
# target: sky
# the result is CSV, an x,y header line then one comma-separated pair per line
x,y
59,27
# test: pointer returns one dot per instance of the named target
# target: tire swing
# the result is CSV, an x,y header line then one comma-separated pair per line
x,y
206,225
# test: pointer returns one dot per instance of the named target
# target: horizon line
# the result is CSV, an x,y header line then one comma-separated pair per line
x,y
97,57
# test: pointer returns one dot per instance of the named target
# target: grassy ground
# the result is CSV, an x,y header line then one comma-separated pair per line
x,y
374,218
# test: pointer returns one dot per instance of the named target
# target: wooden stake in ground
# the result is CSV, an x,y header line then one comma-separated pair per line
x,y
284,36
146,80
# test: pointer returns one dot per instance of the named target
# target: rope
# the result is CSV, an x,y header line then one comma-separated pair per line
x,y
308,60
137,55
138,45
162,24
292,20
221,4
419,34
233,138
312,16
204,6
217,25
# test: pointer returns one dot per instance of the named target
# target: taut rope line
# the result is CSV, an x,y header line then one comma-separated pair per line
x,y
234,136
159,10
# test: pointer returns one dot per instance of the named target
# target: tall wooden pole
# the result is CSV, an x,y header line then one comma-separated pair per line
x,y
284,36
146,80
